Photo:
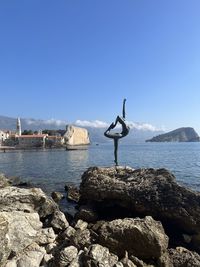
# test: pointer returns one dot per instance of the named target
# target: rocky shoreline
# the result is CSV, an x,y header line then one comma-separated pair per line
x,y
125,217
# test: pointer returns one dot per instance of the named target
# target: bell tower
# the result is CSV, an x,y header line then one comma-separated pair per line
x,y
19,130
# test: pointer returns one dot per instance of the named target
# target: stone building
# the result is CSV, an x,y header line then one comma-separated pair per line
x,y
3,136
54,140
35,140
19,128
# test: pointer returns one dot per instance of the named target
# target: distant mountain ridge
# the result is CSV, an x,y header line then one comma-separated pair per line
x,y
96,134
184,134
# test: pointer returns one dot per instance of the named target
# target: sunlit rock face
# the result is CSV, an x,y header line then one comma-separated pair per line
x,y
76,136
184,134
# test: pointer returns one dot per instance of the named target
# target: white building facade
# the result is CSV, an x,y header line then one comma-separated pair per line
x,y
37,140
3,136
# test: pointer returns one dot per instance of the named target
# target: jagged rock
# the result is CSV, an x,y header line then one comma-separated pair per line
x,y
50,248
143,238
27,200
47,259
69,232
5,246
81,239
119,264
81,225
46,236
58,221
66,256
32,256
11,263
73,193
97,255
78,261
4,181
140,263
126,262
181,257
143,191
76,136
164,260
87,213
18,230
57,196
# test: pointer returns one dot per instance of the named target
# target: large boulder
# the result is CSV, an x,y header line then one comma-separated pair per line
x,y
76,136
181,257
97,255
66,256
143,192
27,200
17,230
31,257
143,238
59,221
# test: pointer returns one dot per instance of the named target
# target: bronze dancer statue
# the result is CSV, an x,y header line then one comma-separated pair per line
x,y
117,136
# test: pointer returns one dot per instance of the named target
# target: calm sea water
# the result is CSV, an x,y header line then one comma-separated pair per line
x,y
52,169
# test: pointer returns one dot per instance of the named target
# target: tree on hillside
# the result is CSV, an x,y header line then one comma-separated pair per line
x,y
27,132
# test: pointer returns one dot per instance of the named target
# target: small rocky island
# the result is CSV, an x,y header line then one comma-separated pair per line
x,y
184,134
125,218
76,136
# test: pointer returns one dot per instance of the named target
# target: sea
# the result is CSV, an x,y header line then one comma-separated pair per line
x,y
52,169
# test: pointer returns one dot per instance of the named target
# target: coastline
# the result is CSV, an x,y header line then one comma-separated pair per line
x,y
69,147
105,222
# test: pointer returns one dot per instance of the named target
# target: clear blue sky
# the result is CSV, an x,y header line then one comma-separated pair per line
x,y
78,59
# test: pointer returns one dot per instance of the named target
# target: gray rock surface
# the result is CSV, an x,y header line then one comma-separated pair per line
x,y
57,196
67,255
32,256
140,263
27,200
126,262
97,255
69,232
81,239
182,257
78,261
143,238
4,181
59,221
46,261
73,193
45,236
34,232
5,245
81,225
87,214
18,230
143,191
11,263
51,248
